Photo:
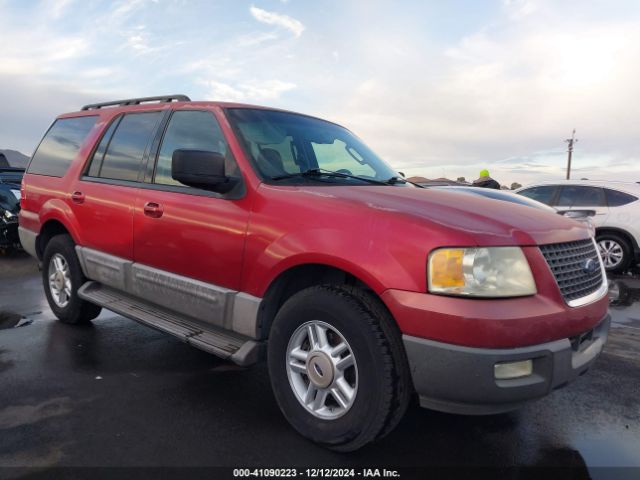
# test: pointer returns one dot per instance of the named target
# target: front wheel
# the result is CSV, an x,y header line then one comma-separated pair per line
x,y
61,278
337,367
615,251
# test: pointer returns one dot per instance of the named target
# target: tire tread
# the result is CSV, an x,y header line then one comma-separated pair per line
x,y
381,328
78,311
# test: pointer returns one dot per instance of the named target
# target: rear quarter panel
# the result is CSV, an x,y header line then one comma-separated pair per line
x,y
47,198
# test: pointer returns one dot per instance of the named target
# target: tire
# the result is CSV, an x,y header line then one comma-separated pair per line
x,y
379,377
609,246
68,306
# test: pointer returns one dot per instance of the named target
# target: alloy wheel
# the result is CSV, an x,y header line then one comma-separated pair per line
x,y
611,252
59,280
322,370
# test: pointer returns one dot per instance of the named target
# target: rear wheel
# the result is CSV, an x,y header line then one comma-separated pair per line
x,y
337,367
61,277
615,251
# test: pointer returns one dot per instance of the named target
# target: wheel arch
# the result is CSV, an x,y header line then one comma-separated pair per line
x,y
55,217
50,229
295,279
618,231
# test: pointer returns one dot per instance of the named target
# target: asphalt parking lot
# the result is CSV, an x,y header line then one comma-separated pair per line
x,y
117,393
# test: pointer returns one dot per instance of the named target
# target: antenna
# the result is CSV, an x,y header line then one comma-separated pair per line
x,y
571,142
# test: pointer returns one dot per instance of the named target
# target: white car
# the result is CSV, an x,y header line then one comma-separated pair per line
x,y
617,217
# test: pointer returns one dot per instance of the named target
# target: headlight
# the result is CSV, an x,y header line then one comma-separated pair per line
x,y
480,272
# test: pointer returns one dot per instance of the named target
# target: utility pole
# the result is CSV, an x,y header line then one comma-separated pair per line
x,y
570,141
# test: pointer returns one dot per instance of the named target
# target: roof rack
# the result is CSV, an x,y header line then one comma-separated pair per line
x,y
138,101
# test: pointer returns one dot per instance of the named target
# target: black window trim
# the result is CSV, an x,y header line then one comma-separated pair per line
x,y
168,188
89,160
241,141
238,192
141,170
26,170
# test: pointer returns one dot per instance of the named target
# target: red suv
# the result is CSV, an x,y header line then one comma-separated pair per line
x,y
255,233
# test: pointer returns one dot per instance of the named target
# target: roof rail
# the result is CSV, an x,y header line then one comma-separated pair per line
x,y
138,101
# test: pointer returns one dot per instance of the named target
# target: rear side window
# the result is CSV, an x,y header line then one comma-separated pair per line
x,y
579,196
617,199
98,156
119,156
60,146
541,194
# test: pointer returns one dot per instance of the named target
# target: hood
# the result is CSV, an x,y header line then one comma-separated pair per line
x,y
487,221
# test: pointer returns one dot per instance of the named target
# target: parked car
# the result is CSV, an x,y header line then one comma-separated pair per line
x,y
255,233
617,217
9,207
11,175
583,216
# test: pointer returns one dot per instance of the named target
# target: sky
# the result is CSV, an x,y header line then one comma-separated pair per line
x,y
436,88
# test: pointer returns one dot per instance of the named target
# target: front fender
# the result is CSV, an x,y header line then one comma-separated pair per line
x,y
370,258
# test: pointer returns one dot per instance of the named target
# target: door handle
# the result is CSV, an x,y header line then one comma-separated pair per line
x,y
153,210
77,197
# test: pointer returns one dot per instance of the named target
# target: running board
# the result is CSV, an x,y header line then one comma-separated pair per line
x,y
239,349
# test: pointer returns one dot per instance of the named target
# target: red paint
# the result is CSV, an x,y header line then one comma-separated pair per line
x,y
198,237
380,234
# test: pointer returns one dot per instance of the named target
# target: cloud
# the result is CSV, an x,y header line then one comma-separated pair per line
x,y
433,88
511,90
253,91
58,7
32,105
271,18
518,9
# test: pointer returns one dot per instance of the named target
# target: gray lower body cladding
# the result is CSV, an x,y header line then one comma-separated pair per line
x,y
458,379
217,306
28,241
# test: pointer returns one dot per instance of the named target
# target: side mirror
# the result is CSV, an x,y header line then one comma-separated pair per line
x,y
201,169
577,214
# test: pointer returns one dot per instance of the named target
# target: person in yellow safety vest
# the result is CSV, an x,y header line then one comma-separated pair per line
x,y
485,181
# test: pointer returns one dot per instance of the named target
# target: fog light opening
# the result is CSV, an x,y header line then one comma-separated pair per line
x,y
511,370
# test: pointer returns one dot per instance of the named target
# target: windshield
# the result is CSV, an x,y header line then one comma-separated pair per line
x,y
283,144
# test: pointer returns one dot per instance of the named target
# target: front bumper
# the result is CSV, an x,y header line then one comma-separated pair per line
x,y
459,379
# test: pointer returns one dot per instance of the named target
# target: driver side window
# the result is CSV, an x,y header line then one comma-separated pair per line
x,y
191,130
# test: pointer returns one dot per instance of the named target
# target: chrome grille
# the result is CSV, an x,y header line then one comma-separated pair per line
x,y
567,262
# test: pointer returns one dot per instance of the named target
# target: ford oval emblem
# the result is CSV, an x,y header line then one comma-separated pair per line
x,y
590,265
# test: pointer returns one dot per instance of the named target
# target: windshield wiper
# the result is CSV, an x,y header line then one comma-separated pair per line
x,y
321,172
404,180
